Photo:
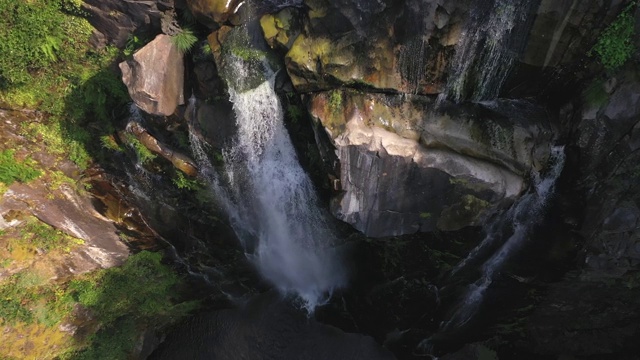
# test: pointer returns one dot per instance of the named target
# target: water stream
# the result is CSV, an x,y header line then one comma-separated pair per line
x,y
487,48
271,201
518,221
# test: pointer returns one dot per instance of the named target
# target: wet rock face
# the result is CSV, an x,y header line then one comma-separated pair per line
x,y
155,77
564,30
406,168
409,46
595,310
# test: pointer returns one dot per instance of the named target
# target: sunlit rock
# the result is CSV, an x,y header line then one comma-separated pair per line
x,y
155,76
405,167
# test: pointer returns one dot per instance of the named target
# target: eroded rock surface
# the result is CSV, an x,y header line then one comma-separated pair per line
x,y
405,167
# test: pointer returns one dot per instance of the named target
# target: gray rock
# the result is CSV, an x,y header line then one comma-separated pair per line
x,y
405,168
155,77
116,20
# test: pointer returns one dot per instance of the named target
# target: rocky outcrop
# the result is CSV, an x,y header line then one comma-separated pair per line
x,y
282,28
405,167
155,77
559,33
595,310
58,206
431,47
116,20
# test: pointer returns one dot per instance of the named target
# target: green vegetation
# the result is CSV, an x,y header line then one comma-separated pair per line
x,y
248,54
133,44
109,142
122,300
182,182
144,155
185,40
295,113
125,300
615,44
39,236
47,64
11,170
61,140
335,101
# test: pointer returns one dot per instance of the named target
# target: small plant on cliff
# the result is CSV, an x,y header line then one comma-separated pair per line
x,y
11,170
184,40
615,44
144,155
335,101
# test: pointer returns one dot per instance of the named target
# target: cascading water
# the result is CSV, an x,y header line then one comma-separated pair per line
x,y
486,50
518,220
271,201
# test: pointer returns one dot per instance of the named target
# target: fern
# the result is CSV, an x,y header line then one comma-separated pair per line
x,y
185,40
50,47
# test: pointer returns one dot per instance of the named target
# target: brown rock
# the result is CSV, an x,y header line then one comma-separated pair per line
x,y
155,77
180,161
216,39
213,12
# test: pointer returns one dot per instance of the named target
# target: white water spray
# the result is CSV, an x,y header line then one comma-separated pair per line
x,y
271,201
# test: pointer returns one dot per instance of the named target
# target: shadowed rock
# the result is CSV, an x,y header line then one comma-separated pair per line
x,y
266,328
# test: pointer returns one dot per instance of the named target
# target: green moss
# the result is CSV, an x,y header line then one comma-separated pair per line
x,y
615,44
109,142
248,54
335,101
47,64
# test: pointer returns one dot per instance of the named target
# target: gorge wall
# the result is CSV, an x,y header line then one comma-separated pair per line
x,y
429,117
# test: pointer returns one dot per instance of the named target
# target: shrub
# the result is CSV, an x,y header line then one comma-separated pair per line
x,y
615,44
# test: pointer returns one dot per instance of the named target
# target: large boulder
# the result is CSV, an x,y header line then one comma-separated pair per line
x,y
405,168
155,77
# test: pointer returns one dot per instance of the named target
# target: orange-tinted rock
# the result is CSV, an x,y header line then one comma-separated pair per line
x,y
213,12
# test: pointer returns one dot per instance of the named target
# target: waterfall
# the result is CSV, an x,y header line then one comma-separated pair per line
x,y
271,201
518,220
486,50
